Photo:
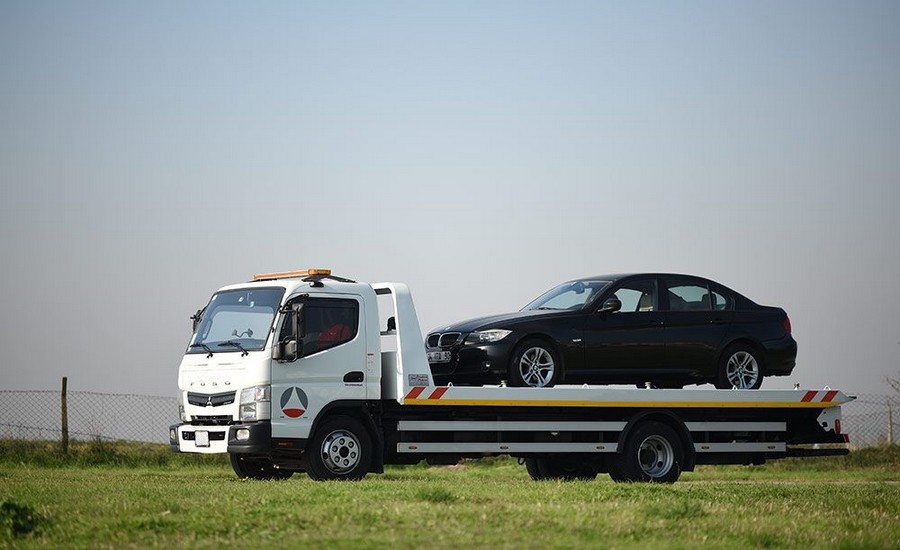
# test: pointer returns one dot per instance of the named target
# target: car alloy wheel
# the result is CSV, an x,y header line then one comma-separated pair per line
x,y
742,370
536,367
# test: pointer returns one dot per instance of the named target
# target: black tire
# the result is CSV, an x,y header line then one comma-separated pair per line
x,y
653,453
256,468
533,465
340,449
565,469
534,364
741,367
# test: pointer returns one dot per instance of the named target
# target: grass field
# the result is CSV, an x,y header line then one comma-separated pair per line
x,y
132,495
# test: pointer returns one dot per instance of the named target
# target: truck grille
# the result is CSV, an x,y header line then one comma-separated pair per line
x,y
211,420
211,399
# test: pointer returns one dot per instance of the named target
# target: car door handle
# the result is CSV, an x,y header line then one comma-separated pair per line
x,y
717,321
354,376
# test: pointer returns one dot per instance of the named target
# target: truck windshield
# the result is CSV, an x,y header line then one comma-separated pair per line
x,y
237,321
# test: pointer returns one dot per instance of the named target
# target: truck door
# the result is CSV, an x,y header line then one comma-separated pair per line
x,y
331,365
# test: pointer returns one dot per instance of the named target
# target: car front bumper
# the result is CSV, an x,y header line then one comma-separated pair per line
x,y
486,363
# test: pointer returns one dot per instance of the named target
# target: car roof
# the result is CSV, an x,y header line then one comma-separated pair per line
x,y
614,277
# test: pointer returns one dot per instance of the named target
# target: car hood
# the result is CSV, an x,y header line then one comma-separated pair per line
x,y
504,320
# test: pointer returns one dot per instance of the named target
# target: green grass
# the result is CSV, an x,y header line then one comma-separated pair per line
x,y
127,495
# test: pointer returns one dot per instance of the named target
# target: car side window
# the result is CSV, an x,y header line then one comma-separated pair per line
x,y
694,297
638,296
719,302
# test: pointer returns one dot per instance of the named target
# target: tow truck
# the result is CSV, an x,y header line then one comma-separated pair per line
x,y
304,371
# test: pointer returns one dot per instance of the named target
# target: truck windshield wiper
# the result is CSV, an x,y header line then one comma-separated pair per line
x,y
234,344
204,346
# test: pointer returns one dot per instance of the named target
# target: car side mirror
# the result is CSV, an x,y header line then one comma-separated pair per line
x,y
611,306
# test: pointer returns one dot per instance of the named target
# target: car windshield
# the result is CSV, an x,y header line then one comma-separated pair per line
x,y
236,321
572,295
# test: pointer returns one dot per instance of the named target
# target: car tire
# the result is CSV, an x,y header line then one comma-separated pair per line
x,y
256,468
653,453
741,367
534,364
341,449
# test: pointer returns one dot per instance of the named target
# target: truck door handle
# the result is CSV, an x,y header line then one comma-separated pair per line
x,y
354,376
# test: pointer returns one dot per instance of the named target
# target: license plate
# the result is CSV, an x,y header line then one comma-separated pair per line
x,y
201,439
438,356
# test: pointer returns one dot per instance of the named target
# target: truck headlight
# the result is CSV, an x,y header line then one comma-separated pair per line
x,y
487,336
256,393
255,403
182,414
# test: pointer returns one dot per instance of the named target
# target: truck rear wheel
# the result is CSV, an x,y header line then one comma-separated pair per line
x,y
340,449
653,453
256,468
567,469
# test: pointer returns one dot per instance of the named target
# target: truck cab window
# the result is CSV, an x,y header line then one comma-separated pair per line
x,y
329,322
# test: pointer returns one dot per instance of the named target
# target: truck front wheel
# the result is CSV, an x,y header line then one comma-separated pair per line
x,y
340,449
256,468
653,452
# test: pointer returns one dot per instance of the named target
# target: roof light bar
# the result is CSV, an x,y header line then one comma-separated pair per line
x,y
291,274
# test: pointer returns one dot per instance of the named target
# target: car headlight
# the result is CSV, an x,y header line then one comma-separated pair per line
x,y
487,336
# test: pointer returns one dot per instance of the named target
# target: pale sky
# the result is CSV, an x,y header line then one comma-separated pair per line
x,y
480,152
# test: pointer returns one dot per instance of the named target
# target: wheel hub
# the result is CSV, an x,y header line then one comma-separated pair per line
x,y
340,451
656,456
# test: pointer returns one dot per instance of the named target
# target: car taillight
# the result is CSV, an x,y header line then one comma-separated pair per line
x,y
787,324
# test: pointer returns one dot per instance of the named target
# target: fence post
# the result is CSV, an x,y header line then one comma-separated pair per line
x,y
890,423
65,418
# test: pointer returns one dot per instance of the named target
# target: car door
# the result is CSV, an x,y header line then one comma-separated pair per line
x,y
620,345
698,316
331,366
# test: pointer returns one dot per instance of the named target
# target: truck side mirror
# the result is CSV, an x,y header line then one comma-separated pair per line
x,y
612,305
195,319
290,349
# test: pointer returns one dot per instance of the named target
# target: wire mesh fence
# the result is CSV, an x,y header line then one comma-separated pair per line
x,y
870,419
38,415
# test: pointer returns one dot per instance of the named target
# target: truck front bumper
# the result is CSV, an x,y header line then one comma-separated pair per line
x,y
187,438
239,438
250,438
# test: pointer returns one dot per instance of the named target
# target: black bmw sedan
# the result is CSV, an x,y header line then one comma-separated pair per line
x,y
659,329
